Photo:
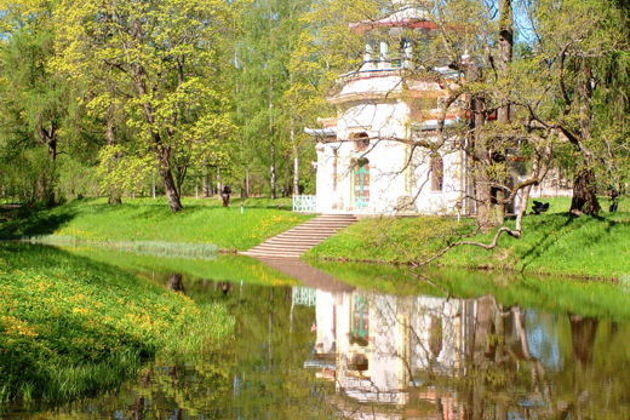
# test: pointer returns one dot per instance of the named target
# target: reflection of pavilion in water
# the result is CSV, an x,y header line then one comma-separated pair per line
x,y
385,350
377,347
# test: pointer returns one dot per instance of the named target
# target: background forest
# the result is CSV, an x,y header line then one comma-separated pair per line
x,y
180,97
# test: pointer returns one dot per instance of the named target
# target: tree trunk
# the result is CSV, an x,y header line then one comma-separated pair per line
x,y
219,181
273,173
296,169
584,185
483,190
506,42
245,189
45,191
176,283
585,193
169,183
163,152
115,194
207,186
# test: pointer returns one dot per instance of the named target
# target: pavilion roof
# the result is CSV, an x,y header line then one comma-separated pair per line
x,y
409,17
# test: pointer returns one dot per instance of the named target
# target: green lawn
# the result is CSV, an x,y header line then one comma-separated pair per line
x,y
554,243
70,327
239,227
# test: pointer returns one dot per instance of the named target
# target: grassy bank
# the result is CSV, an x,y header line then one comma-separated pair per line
x,y
223,268
557,295
202,222
555,243
70,326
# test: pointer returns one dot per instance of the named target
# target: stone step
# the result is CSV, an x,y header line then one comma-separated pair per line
x,y
273,254
310,231
316,229
328,227
290,248
307,234
294,242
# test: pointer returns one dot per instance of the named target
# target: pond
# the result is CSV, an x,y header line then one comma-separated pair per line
x,y
375,342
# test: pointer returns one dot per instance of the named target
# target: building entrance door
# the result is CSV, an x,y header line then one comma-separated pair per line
x,y
362,184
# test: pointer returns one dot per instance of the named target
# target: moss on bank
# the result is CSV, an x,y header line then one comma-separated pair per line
x,y
203,221
553,243
70,326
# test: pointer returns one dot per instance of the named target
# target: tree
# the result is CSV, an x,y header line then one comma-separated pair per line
x,y
578,54
34,98
163,57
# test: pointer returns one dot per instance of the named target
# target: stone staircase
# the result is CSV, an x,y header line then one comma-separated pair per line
x,y
295,242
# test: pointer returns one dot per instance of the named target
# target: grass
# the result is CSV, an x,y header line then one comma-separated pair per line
x,y
222,268
554,243
70,327
202,222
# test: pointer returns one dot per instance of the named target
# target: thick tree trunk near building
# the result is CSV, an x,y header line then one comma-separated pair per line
x,y
480,156
585,193
584,185
506,42
483,189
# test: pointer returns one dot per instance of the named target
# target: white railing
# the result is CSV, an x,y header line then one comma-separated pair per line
x,y
304,203
304,296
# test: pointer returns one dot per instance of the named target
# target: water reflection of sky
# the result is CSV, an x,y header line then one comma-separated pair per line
x,y
542,338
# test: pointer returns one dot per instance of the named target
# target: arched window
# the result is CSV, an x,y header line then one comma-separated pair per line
x,y
361,141
437,172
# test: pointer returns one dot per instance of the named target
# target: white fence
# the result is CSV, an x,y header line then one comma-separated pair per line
x,y
304,203
304,296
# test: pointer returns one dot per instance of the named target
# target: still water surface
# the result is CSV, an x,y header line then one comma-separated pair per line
x,y
327,349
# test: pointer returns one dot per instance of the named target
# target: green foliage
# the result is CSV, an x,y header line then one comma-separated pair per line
x,y
121,171
159,65
33,104
71,327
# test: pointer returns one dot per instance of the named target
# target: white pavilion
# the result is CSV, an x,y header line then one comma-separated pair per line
x,y
366,163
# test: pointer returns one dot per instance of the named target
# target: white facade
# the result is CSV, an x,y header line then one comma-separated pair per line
x,y
366,163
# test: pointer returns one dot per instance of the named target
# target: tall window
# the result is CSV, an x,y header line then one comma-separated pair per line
x,y
437,172
361,183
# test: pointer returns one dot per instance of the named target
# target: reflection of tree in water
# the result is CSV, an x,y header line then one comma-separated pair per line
x,y
583,331
176,283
